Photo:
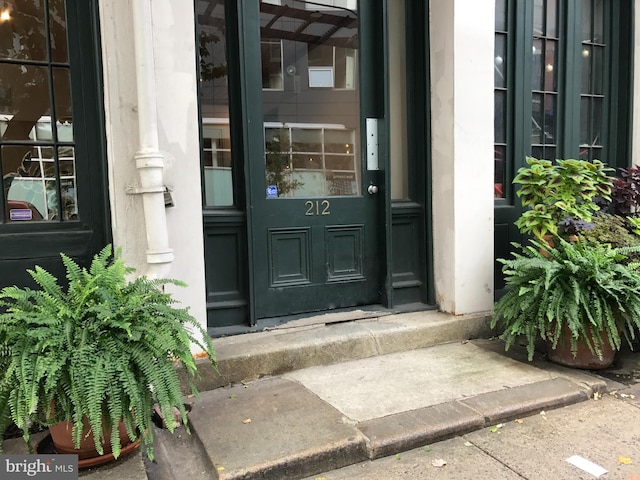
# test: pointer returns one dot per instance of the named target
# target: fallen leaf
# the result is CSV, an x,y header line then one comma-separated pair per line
x,y
496,428
519,421
398,457
232,396
220,469
439,463
624,460
321,478
426,448
246,420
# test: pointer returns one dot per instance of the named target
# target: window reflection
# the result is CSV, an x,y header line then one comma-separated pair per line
x,y
214,103
312,118
37,154
593,71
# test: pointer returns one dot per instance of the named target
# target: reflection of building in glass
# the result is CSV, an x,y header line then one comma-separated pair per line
x,y
41,178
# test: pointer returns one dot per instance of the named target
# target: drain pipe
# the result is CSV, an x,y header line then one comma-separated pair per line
x,y
149,160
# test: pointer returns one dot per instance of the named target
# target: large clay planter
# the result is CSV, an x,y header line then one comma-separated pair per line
x,y
61,434
584,358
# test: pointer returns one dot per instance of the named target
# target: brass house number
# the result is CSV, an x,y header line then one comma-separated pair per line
x,y
317,208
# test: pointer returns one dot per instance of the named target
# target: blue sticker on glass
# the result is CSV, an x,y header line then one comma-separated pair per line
x,y
272,191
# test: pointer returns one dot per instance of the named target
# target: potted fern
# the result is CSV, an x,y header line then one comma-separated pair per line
x,y
580,297
99,354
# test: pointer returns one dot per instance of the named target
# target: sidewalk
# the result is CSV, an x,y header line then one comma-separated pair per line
x,y
370,389
300,423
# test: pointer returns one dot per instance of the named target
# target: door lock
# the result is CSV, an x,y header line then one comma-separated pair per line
x,y
372,189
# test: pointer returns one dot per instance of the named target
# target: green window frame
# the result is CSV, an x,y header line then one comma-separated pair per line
x,y
562,85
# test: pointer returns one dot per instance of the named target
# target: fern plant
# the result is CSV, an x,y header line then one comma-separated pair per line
x,y
585,286
103,350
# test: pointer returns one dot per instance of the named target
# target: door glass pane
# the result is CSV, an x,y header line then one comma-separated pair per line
x,y
312,116
214,103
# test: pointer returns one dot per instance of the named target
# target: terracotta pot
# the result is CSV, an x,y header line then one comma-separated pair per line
x,y
584,358
61,434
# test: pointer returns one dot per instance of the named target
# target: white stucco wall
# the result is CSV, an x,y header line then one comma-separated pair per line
x,y
176,102
462,51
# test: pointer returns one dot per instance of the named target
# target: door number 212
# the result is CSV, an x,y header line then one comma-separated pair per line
x,y
317,208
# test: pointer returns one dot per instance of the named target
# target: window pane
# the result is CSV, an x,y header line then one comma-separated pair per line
x,y
499,172
587,21
321,100
22,31
587,58
550,121
596,121
66,166
24,183
214,104
598,71
550,67
24,89
538,64
62,97
585,116
598,21
552,18
500,60
500,116
271,64
58,26
538,18
501,15
306,140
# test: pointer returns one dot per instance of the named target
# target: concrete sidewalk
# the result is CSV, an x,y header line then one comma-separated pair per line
x,y
391,391
370,389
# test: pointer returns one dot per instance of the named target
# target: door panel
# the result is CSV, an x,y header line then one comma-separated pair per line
x,y
313,222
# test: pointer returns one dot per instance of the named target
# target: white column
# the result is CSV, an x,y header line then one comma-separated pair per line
x,y
462,51
174,134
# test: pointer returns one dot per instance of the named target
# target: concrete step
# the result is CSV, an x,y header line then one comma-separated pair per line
x,y
322,418
332,338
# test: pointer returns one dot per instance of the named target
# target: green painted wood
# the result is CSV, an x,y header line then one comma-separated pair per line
x,y
313,253
26,244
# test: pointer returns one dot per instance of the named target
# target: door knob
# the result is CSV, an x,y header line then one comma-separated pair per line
x,y
372,189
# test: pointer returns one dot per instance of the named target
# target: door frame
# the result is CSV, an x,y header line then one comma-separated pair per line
x,y
373,105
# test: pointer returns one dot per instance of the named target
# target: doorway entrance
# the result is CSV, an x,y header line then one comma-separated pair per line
x,y
315,200
300,211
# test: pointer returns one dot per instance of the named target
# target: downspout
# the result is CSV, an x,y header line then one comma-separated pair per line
x,y
149,160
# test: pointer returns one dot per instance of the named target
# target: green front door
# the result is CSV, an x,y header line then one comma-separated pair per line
x,y
313,178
